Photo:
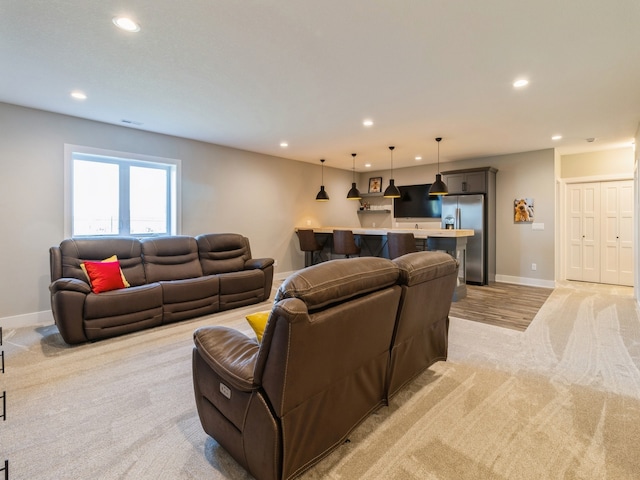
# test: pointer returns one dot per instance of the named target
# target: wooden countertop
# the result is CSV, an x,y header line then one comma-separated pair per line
x,y
417,233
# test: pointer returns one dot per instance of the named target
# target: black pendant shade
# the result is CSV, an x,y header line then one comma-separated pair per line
x,y
354,193
322,196
438,187
392,191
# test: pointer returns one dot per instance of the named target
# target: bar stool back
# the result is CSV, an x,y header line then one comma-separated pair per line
x,y
400,244
310,246
344,243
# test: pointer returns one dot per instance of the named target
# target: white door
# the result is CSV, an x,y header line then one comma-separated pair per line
x,y
617,233
600,232
583,231
591,232
574,232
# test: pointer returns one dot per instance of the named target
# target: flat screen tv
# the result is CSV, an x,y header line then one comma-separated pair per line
x,y
415,202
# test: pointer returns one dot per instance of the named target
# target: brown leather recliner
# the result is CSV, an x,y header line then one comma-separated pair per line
x,y
421,335
280,406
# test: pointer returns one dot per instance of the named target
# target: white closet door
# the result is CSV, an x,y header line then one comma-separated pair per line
x,y
574,232
583,232
600,232
617,233
591,232
626,234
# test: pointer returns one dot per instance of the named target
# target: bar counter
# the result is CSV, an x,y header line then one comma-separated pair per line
x,y
422,233
373,242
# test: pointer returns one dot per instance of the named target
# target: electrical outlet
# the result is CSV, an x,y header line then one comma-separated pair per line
x,y
275,263
534,266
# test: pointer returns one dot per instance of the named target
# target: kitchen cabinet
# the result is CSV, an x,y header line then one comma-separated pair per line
x,y
473,180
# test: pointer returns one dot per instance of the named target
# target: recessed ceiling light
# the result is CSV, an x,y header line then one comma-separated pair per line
x,y
78,95
125,23
367,122
521,83
368,165
284,144
418,158
556,137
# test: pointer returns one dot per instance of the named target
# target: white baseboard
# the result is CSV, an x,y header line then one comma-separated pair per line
x,y
531,282
28,320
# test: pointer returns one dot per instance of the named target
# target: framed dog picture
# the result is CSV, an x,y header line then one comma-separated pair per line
x,y
523,210
375,184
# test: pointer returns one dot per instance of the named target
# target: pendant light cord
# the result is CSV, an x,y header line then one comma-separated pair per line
x,y
391,148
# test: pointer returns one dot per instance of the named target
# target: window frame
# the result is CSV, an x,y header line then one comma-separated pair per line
x,y
172,166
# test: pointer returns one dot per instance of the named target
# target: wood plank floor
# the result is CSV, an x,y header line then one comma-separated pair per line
x,y
501,304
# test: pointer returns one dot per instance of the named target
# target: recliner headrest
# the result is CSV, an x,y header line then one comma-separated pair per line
x,y
338,280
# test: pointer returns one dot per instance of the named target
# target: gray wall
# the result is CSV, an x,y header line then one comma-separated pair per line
x,y
529,174
223,190
230,190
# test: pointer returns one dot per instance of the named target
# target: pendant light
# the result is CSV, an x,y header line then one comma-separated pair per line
x,y
392,191
322,195
354,194
438,187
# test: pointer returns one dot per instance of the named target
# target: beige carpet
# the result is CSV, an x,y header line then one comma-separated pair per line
x,y
558,401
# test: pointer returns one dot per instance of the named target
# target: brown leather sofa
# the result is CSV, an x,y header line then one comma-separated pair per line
x,y
341,337
171,278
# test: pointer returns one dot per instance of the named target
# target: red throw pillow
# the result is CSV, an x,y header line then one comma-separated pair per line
x,y
104,276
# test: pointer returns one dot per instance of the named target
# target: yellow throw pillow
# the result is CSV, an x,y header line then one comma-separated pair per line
x,y
258,322
112,258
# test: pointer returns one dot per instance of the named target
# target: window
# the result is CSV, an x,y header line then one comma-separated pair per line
x,y
115,193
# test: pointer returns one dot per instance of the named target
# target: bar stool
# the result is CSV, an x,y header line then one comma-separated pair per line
x,y
344,243
400,244
310,246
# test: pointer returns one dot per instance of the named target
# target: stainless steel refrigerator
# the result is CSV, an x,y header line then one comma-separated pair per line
x,y
469,212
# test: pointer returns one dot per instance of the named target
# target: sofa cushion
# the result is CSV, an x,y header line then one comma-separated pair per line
x,y
74,251
177,291
170,258
122,302
241,288
223,252
243,281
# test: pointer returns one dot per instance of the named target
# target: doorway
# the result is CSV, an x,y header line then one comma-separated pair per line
x,y
599,232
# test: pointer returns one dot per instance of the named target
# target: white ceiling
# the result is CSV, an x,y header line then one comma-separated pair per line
x,y
249,74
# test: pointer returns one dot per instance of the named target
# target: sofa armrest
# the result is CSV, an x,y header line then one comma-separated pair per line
x,y
55,263
230,353
70,284
258,263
